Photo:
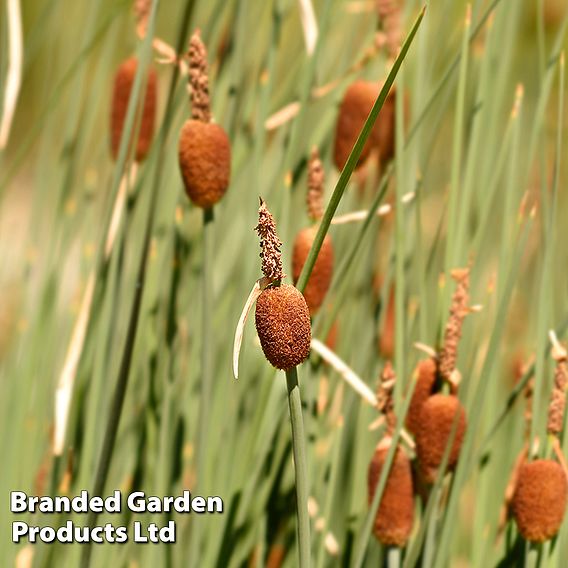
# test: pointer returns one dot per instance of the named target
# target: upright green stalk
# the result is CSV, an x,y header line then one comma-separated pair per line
x,y
206,374
301,466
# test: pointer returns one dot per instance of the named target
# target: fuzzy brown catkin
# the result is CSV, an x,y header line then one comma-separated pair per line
x,y
395,516
539,501
453,331
283,326
390,14
436,424
199,79
123,83
425,372
316,180
270,244
558,398
320,279
204,153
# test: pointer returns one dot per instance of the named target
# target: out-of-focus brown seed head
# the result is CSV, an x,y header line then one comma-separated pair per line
x,y
270,244
557,403
283,326
322,272
453,332
426,373
333,336
316,182
353,112
433,434
384,131
205,161
539,502
123,81
395,516
390,15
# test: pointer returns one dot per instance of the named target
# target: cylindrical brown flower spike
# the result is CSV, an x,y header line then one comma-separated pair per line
x,y
558,398
316,186
390,16
539,502
282,315
123,81
320,279
452,335
353,112
322,272
395,516
204,147
426,372
437,418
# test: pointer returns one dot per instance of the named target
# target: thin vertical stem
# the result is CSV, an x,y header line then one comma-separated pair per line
x,y
301,466
393,557
206,347
206,375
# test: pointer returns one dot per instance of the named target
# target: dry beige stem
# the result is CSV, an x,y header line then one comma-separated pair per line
x,y
25,557
199,79
15,63
344,371
316,181
452,335
309,25
270,244
558,398
257,289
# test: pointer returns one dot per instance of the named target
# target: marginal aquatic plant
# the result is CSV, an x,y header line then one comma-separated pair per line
x,y
204,148
322,272
395,516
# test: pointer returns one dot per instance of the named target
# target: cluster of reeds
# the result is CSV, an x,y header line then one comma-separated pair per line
x,y
115,354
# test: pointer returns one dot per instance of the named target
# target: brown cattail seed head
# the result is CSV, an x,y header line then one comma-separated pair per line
x,y
395,516
204,147
426,372
539,502
558,398
353,112
199,79
123,81
383,135
452,335
390,15
436,424
204,161
283,326
270,244
316,181
142,12
320,278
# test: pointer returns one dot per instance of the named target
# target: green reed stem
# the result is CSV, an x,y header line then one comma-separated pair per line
x,y
125,364
301,466
206,367
354,158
